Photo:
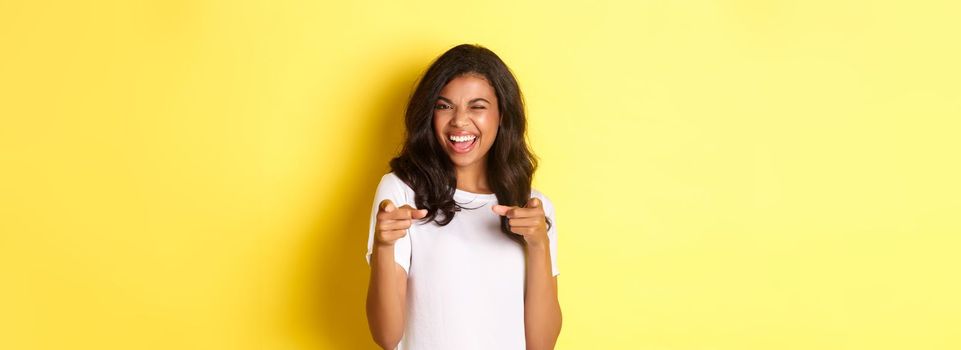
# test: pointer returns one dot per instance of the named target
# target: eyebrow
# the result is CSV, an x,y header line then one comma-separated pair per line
x,y
471,101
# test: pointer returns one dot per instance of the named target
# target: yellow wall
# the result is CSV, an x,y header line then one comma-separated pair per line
x,y
728,174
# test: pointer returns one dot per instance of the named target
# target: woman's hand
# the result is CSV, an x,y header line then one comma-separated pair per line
x,y
529,221
392,222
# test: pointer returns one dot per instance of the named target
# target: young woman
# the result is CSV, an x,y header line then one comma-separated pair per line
x,y
463,252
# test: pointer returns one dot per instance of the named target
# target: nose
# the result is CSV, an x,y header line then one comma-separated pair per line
x,y
460,119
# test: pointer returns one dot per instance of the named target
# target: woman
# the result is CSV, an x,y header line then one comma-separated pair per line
x,y
463,252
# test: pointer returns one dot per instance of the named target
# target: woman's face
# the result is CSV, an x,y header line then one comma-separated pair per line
x,y
466,119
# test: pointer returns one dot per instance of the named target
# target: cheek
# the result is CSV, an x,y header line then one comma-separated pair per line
x,y
438,122
489,124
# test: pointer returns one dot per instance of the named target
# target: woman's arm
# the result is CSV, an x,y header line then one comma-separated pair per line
x,y
387,293
386,297
542,311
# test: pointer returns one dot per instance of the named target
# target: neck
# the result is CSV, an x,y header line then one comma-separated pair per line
x,y
473,178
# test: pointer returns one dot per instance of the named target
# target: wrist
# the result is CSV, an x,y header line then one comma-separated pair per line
x,y
378,245
536,245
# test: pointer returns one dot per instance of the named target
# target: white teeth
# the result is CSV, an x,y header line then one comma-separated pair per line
x,y
464,138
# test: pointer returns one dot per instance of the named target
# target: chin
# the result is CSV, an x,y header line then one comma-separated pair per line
x,y
461,162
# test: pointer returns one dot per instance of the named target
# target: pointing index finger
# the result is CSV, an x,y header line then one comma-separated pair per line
x,y
508,211
408,212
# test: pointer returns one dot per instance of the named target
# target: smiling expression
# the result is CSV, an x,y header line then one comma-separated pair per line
x,y
466,118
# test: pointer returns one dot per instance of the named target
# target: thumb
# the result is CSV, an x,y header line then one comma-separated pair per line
x,y
500,209
534,203
387,206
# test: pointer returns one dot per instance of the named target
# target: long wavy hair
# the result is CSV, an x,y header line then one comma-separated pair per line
x,y
428,170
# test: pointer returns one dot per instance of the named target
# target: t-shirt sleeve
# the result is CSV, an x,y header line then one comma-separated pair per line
x,y
390,187
552,232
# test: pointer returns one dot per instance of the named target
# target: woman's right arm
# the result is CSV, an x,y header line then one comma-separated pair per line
x,y
387,292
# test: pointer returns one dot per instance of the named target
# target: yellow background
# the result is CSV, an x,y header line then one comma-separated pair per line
x,y
728,174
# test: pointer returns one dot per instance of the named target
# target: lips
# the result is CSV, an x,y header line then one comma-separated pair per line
x,y
462,142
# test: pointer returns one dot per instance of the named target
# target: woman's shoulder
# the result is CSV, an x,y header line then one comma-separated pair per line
x,y
392,187
392,181
543,197
391,177
537,193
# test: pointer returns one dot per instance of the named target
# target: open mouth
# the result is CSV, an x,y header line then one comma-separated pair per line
x,y
462,144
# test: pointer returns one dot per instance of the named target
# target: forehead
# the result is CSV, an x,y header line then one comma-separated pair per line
x,y
468,86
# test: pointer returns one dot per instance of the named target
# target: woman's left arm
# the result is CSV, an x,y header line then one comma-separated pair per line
x,y
542,311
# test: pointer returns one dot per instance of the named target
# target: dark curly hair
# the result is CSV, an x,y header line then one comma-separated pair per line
x,y
424,166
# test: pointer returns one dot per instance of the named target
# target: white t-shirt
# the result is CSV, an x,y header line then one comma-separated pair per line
x,y
465,280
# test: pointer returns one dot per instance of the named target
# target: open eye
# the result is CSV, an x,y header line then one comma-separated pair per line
x,y
441,106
